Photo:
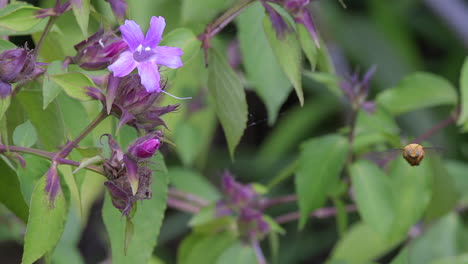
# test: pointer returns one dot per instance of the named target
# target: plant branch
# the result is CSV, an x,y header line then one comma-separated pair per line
x,y
192,198
182,206
319,213
442,124
47,29
269,202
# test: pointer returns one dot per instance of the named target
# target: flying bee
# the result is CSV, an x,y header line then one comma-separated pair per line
x,y
413,153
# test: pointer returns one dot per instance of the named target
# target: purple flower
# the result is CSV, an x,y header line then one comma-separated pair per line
x,y
357,90
145,54
18,65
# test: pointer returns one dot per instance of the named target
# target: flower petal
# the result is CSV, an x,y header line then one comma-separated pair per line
x,y
124,65
155,31
169,56
149,75
131,32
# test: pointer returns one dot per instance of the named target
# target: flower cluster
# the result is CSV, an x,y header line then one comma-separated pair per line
x,y
17,65
357,90
129,177
241,201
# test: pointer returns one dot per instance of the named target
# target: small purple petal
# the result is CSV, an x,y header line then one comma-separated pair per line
x,y
124,65
155,31
131,32
132,173
5,89
52,182
169,56
119,7
149,75
305,18
368,106
277,21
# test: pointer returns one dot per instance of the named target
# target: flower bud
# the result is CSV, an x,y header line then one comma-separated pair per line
x,y
147,149
119,8
52,182
18,64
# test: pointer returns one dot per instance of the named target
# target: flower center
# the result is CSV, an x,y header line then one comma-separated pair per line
x,y
142,54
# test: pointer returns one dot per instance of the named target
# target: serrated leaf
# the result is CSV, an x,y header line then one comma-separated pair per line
x,y
25,135
81,11
10,191
230,103
320,163
373,195
147,222
288,53
50,89
74,84
20,19
416,91
45,223
259,61
463,118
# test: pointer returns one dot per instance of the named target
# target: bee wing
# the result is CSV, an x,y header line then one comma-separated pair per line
x,y
381,158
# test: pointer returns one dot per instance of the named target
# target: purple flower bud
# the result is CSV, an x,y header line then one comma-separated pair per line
x,y
248,214
119,7
277,21
5,89
18,64
52,182
238,194
98,51
147,149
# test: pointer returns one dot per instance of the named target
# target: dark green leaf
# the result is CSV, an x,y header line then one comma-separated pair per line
x,y
288,53
238,253
229,95
20,19
46,223
192,182
10,192
25,135
147,222
457,171
373,195
320,163
463,118
74,84
261,66
416,91
202,248
202,11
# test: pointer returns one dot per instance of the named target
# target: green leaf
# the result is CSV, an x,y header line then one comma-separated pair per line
x,y
10,192
361,244
231,106
457,171
201,248
89,152
288,53
239,253
29,176
416,91
259,61
45,223
205,215
50,89
74,84
373,196
320,163
192,182
6,45
20,19
147,222
47,122
4,104
81,12
307,45
25,135
185,39
463,118
202,11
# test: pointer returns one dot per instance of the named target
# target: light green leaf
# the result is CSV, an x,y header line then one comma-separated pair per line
x,y
202,11
416,91
25,135
147,222
320,163
89,152
288,53
231,106
201,248
6,45
192,182
20,19
50,89
238,253
360,245
205,215
464,95
10,192
81,11
259,61
184,39
307,45
74,84
373,195
46,223
4,104
28,176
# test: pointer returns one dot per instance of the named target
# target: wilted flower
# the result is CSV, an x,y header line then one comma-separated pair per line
x,y
127,99
357,90
119,7
18,64
145,54
129,178
99,50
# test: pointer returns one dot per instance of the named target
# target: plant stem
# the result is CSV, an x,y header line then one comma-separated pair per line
x,y
47,29
319,213
442,124
198,201
182,206
284,174
269,202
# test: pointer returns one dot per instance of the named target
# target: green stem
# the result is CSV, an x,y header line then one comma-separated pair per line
x,y
47,29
